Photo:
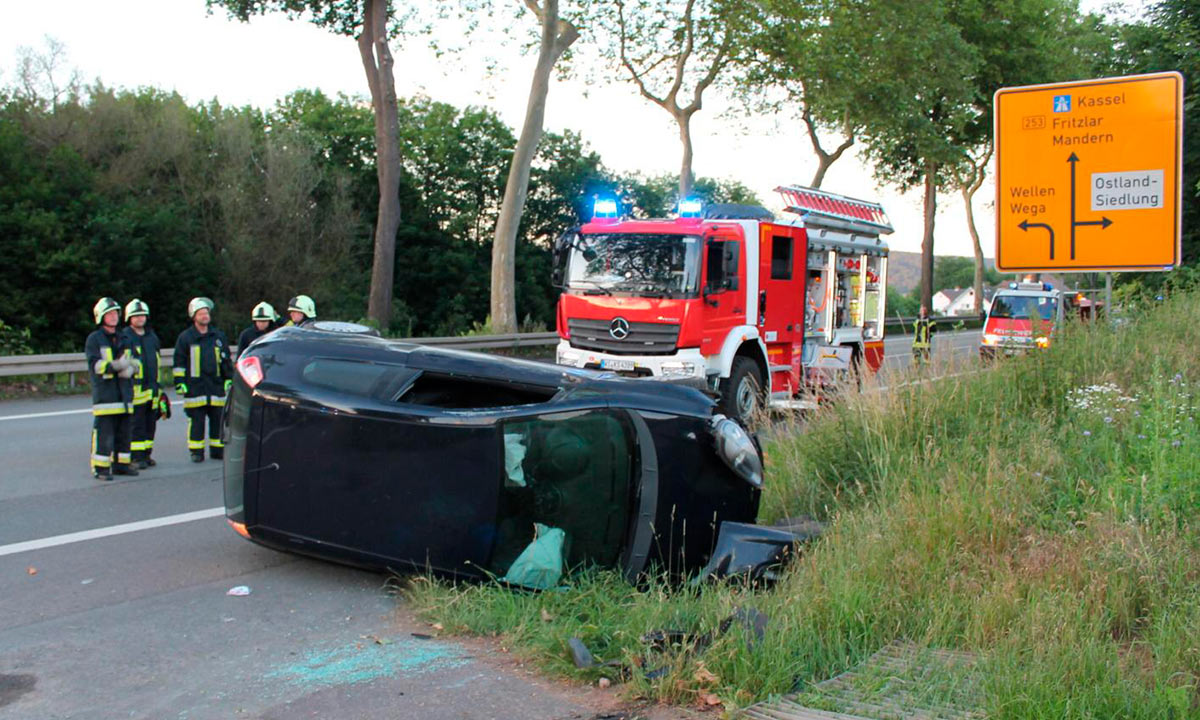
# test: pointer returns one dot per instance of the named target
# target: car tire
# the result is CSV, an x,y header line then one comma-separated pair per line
x,y
344,328
742,395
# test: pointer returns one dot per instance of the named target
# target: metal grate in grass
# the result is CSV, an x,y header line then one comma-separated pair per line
x,y
903,681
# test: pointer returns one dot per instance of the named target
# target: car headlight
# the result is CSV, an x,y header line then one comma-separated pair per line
x,y
990,339
1043,342
567,357
737,449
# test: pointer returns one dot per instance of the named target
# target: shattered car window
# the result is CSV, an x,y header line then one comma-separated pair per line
x,y
573,472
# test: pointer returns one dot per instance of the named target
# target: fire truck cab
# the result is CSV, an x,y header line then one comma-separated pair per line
x,y
728,298
1021,317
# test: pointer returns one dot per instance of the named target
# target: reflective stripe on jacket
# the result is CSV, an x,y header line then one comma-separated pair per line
x,y
202,363
111,395
146,348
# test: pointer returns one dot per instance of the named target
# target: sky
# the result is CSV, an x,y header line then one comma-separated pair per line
x,y
177,45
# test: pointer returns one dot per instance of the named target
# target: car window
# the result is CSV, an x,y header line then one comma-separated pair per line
x,y
358,378
575,471
452,392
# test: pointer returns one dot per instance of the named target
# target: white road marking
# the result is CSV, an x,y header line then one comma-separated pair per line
x,y
30,416
67,539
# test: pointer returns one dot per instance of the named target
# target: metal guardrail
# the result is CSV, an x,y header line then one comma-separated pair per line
x,y
14,365
907,322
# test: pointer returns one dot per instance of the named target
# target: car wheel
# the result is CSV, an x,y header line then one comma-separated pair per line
x,y
345,328
742,392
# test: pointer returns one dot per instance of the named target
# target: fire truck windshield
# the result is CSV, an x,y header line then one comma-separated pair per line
x,y
646,264
1024,307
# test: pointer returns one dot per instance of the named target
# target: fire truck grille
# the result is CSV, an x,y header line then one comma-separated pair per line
x,y
642,338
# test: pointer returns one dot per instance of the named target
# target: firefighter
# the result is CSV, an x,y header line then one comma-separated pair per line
x,y
203,374
301,311
111,367
922,337
149,401
263,318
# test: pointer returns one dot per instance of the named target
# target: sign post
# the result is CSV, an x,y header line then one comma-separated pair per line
x,y
1089,174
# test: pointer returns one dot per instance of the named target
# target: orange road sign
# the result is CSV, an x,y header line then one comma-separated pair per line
x,y
1088,175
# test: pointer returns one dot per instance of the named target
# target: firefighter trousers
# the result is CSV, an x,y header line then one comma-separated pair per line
x,y
196,417
111,436
145,422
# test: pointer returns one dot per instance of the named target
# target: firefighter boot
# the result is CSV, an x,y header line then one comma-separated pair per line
x,y
139,459
148,460
124,469
216,453
197,456
102,473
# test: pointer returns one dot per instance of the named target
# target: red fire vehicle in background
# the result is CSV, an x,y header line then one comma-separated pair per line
x,y
728,298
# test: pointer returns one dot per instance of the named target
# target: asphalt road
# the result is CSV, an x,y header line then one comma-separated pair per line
x,y
113,601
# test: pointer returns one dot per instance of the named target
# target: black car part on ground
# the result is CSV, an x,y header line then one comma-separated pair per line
x,y
755,552
396,456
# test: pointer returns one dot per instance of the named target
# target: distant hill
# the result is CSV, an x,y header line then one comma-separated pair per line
x,y
904,270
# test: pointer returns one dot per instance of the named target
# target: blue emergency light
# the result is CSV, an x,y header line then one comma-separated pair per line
x,y
604,208
690,208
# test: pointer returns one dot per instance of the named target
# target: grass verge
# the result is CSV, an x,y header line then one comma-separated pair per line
x,y
1043,515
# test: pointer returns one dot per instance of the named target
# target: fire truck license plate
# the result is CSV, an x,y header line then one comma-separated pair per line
x,y
609,364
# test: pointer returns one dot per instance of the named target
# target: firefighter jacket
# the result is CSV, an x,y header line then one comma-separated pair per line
x,y
249,335
146,348
111,393
202,364
922,332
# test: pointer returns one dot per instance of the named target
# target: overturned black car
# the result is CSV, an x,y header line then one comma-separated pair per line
x,y
390,455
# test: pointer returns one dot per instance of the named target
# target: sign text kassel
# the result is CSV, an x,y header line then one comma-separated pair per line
x,y
1088,175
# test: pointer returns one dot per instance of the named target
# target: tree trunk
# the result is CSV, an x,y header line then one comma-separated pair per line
x,y
686,179
969,187
931,170
504,242
377,64
968,194
825,159
823,163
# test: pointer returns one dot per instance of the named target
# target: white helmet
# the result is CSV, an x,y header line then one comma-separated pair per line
x,y
197,304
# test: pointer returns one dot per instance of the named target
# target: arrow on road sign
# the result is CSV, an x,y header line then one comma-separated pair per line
x,y
1103,222
1025,225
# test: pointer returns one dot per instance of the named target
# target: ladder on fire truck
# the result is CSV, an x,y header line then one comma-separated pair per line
x,y
837,212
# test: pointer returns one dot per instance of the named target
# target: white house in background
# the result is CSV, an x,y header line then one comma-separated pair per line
x,y
964,302
960,301
943,299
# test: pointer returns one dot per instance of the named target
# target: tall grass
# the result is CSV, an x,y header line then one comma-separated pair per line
x,y
1042,514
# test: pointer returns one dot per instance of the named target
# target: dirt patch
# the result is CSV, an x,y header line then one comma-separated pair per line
x,y
13,687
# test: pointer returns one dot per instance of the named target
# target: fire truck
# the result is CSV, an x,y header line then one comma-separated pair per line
x,y
1023,316
755,308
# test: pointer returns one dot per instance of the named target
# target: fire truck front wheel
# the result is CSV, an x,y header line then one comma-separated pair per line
x,y
741,392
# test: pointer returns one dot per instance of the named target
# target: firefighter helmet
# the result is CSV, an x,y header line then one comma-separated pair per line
x,y
136,307
264,311
304,304
102,308
197,304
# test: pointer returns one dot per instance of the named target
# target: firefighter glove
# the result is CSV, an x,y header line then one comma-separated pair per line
x,y
228,384
164,407
181,389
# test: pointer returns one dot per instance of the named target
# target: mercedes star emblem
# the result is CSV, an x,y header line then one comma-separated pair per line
x,y
619,328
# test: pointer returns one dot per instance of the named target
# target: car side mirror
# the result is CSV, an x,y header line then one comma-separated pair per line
x,y
561,255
